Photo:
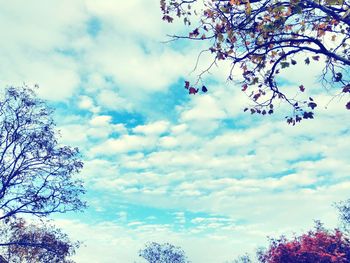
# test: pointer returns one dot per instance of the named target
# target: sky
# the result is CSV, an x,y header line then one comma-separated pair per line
x,y
160,165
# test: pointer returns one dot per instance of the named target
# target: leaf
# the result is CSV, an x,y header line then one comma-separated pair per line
x,y
248,8
348,105
167,18
234,2
193,91
187,84
302,88
334,2
317,58
256,96
293,62
194,33
284,64
312,105
255,81
220,37
204,89
338,77
244,87
346,89
308,115
307,61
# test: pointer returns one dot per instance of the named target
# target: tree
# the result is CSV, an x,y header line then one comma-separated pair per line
x,y
344,211
242,259
263,37
318,245
36,172
163,253
23,242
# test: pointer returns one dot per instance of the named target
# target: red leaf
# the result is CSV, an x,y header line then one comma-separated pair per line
x,y
244,87
193,91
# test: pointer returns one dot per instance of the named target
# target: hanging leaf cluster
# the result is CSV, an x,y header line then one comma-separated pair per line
x,y
263,37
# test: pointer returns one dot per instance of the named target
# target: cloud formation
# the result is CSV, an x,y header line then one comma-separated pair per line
x,y
197,173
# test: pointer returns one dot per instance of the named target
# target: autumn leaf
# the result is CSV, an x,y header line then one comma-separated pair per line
x,y
284,64
263,42
234,2
346,89
167,18
248,8
348,105
312,105
192,90
308,115
334,2
338,77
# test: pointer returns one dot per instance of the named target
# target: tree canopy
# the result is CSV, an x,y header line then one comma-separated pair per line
x,y
319,245
163,253
30,243
344,212
261,38
36,172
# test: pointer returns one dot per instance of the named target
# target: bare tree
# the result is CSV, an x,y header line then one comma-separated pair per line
x,y
36,172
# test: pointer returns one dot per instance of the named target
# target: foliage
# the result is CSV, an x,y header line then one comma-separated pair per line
x,y
264,37
318,245
36,172
163,253
23,242
344,211
242,259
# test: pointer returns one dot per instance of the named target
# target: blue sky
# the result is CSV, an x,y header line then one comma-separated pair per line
x,y
161,165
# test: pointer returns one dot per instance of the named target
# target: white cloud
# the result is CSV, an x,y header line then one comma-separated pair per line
x,y
211,159
125,143
204,108
168,142
155,128
29,52
101,120
85,102
111,100
73,134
